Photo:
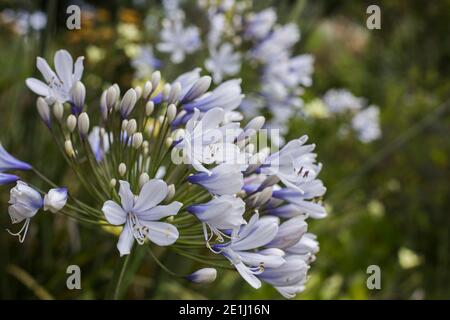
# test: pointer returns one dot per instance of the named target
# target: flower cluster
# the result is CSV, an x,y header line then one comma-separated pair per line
x,y
236,38
365,121
172,165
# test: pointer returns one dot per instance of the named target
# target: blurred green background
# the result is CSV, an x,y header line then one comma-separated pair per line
x,y
389,201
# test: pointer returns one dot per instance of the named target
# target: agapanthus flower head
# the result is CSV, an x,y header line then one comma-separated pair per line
x,y
366,123
175,168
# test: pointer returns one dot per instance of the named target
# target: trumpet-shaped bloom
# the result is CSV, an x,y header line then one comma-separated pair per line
x,y
140,215
55,199
8,162
224,179
289,278
206,142
256,234
294,164
289,233
57,86
221,213
24,204
302,201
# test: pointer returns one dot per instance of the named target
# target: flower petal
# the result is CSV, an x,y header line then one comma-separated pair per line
x,y
248,276
64,67
38,87
114,213
126,196
159,212
152,193
126,240
161,233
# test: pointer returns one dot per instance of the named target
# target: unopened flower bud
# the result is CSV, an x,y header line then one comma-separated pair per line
x,y
175,92
44,111
131,127
137,140
111,97
148,88
156,77
205,275
149,107
166,91
71,122
170,193
200,87
171,112
124,125
68,147
83,124
143,179
128,102
78,94
122,169
138,91
58,110
112,183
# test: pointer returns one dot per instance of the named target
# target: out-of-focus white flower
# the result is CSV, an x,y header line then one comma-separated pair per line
x,y
367,124
223,62
340,100
178,40
144,63
55,199
258,25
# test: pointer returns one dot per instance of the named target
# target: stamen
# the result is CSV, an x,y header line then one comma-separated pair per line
x,y
23,230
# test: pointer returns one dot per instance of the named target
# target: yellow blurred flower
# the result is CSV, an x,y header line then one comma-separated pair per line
x,y
408,259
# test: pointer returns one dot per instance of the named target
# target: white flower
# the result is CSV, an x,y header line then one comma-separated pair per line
x,y
307,245
57,86
24,204
293,164
367,124
178,40
55,199
340,100
259,25
221,213
223,62
206,142
257,233
224,179
99,142
140,215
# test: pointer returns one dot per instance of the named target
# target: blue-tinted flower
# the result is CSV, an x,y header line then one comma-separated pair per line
x,y
57,86
258,25
205,275
224,179
294,164
8,162
55,199
177,39
289,278
289,233
307,246
99,142
340,100
223,62
140,215
302,201
367,124
145,62
254,235
228,96
221,213
206,142
24,204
